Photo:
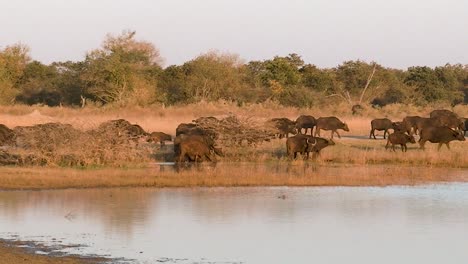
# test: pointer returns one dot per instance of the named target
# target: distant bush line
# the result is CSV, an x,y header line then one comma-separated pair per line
x,y
126,71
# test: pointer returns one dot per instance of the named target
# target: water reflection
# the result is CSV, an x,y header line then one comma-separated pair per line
x,y
425,224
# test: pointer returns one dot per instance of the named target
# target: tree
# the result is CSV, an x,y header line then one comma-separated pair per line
x,y
213,76
13,61
112,72
37,85
317,79
434,85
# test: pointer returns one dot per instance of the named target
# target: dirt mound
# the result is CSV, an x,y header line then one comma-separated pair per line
x,y
47,137
7,136
120,131
112,143
234,130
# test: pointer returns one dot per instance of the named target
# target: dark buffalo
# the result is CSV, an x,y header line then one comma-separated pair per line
x,y
299,144
185,128
159,137
450,121
330,123
282,127
399,138
398,126
424,122
442,112
320,144
306,122
441,135
409,123
194,129
380,124
195,148
305,144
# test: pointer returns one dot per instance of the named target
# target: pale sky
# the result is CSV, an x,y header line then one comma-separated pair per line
x,y
395,33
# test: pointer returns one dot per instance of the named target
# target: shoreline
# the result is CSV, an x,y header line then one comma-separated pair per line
x,y
294,174
13,252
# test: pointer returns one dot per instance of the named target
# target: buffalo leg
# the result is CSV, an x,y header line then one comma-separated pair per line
x,y
317,132
182,156
336,131
385,132
393,147
421,143
448,145
386,146
439,146
371,133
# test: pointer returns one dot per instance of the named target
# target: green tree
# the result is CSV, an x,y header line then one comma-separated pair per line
x,y
117,71
319,80
38,85
213,76
434,85
13,61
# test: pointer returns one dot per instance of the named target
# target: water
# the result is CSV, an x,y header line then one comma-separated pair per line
x,y
424,224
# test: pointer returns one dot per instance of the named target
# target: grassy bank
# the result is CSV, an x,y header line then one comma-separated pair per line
x,y
297,173
355,160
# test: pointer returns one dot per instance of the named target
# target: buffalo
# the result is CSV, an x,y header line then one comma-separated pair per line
x,y
380,124
330,123
441,135
306,122
450,121
398,126
282,126
194,129
185,128
409,123
299,144
159,137
195,148
442,112
399,138
424,122
305,144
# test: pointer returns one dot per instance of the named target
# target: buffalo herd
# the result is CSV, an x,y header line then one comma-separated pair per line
x,y
194,143
442,127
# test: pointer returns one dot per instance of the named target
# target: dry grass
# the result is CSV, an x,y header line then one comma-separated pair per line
x,y
297,173
166,119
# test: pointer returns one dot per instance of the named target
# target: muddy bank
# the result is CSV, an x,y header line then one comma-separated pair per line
x,y
14,252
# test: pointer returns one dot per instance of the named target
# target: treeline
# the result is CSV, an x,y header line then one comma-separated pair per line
x,y
126,71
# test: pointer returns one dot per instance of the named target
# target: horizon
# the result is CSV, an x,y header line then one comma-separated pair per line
x,y
324,33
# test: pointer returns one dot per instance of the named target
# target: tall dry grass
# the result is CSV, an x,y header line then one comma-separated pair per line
x,y
166,119
297,173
